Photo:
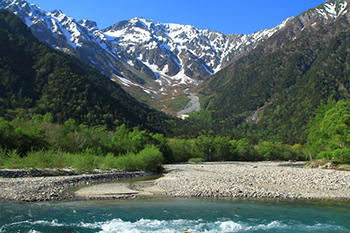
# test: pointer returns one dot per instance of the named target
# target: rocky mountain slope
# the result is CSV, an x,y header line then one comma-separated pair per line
x,y
313,20
156,57
182,52
286,77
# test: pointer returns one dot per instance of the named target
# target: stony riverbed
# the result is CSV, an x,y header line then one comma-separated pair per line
x,y
258,180
232,179
52,188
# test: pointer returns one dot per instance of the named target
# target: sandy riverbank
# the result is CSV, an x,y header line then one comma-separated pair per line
x,y
125,189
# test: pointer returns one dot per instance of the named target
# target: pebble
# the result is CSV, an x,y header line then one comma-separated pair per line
x,y
284,180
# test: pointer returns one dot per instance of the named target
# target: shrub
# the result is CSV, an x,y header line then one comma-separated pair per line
x,y
148,159
127,162
341,155
181,149
196,160
109,162
324,155
85,162
272,150
13,160
42,159
3,156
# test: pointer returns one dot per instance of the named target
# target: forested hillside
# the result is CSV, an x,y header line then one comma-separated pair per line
x,y
288,83
36,79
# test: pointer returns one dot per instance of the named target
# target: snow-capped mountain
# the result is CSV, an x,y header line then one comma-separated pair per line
x,y
157,56
58,30
83,39
182,52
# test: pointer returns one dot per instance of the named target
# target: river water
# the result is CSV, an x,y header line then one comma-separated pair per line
x,y
176,215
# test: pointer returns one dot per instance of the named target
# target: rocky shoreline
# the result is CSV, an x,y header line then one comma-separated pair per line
x,y
256,180
232,179
43,185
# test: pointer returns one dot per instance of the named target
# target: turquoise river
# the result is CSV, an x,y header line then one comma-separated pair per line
x,y
161,214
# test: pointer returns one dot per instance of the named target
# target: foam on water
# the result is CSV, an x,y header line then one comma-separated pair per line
x,y
174,226
145,225
176,215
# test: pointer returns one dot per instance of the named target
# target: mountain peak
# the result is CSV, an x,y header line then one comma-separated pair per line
x,y
56,13
91,25
14,1
135,19
141,22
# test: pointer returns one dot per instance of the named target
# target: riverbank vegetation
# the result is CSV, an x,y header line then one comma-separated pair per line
x,y
38,142
329,137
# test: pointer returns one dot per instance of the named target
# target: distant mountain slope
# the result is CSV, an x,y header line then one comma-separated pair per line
x,y
155,57
38,79
289,74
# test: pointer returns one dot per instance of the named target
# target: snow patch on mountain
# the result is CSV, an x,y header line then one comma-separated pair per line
x,y
332,9
139,36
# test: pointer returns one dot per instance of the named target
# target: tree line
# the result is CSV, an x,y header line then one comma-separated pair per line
x,y
27,141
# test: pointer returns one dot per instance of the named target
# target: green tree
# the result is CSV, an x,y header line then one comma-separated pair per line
x,y
222,148
246,151
335,126
330,130
162,144
7,135
182,149
271,150
204,146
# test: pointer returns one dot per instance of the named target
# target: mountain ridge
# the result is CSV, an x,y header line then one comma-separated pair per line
x,y
185,58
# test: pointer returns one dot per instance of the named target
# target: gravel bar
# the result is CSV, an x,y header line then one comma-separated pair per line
x,y
257,180
52,188
232,179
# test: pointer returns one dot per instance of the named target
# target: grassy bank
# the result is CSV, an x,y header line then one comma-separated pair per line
x,y
148,159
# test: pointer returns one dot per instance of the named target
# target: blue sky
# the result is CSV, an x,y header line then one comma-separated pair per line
x,y
225,16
